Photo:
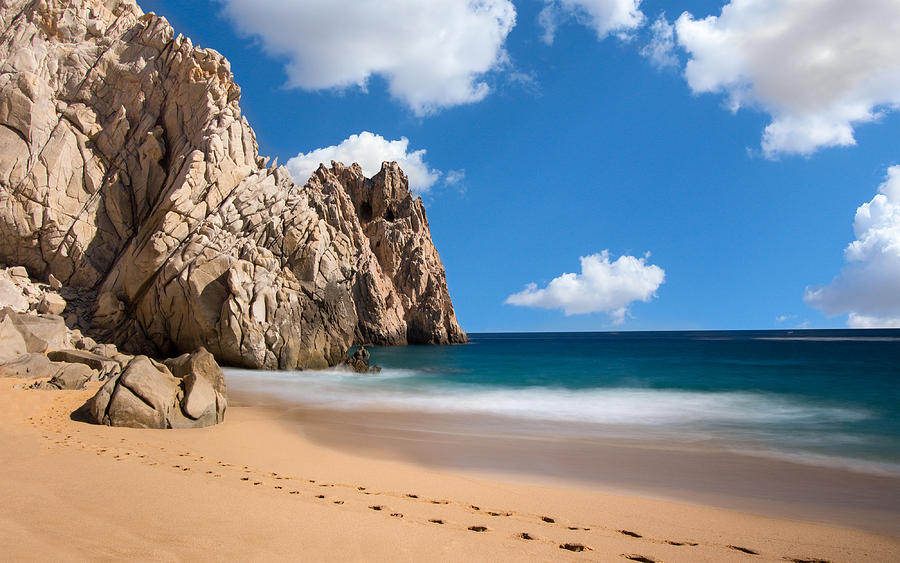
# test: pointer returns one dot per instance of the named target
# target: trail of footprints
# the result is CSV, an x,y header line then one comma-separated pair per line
x,y
310,487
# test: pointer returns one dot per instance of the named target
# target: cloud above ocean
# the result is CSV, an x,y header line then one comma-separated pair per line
x,y
868,288
605,17
433,55
603,286
369,150
819,69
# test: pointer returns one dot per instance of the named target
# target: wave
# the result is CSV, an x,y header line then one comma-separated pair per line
x,y
343,390
867,466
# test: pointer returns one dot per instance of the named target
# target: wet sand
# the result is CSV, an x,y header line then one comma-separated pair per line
x,y
253,488
559,455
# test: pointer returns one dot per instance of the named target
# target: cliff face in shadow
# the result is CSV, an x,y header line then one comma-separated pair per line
x,y
127,170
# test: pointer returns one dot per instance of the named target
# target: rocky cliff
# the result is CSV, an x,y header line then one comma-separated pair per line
x,y
128,172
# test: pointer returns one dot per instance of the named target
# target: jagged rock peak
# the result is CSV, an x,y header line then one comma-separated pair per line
x,y
127,169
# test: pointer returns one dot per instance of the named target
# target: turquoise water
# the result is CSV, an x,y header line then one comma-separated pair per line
x,y
819,397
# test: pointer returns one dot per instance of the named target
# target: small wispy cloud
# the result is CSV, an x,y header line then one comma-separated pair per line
x,y
660,50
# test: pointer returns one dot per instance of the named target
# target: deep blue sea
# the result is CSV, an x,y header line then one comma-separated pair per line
x,y
822,397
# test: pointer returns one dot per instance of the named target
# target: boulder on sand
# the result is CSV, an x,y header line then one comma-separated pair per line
x,y
148,395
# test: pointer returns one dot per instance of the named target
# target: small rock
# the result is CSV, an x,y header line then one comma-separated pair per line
x,y
107,368
86,343
106,350
19,273
51,304
54,283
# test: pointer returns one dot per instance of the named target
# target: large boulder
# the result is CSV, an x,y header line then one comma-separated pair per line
x,y
42,333
72,376
28,366
12,343
204,386
12,297
148,395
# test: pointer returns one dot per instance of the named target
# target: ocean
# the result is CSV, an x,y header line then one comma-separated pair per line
x,y
818,397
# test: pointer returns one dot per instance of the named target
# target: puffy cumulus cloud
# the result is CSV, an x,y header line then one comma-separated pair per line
x,y
661,48
603,286
369,151
605,17
868,287
432,54
818,68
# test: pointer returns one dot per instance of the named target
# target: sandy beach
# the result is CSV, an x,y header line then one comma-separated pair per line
x,y
253,488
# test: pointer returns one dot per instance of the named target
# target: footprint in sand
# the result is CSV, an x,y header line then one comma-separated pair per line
x,y
681,543
436,521
478,528
630,533
410,495
338,502
396,515
797,560
576,547
746,550
376,507
641,558
526,536
548,520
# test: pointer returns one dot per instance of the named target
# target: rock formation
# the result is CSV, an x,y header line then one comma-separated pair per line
x,y
359,362
184,392
128,174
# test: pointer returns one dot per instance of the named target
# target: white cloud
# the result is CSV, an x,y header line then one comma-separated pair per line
x,y
432,54
455,177
855,320
818,68
605,17
602,286
661,48
369,151
868,287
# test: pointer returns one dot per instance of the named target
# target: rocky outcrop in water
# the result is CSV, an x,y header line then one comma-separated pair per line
x,y
128,174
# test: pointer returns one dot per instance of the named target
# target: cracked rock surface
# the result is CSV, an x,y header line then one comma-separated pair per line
x,y
128,174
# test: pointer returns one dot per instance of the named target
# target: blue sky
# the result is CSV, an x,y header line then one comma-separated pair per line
x,y
587,144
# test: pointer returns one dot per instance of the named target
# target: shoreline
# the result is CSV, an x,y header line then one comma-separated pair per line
x,y
487,447
249,488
